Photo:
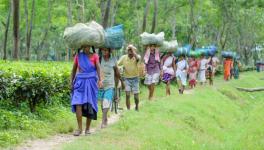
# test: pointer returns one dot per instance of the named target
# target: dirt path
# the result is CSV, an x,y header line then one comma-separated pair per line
x,y
54,141
188,91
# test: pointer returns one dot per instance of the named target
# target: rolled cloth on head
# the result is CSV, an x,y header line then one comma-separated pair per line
x,y
132,47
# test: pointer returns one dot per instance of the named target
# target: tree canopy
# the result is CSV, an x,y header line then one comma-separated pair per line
x,y
237,25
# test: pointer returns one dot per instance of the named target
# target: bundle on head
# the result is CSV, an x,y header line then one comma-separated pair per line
x,y
183,51
229,54
114,37
81,34
169,46
149,39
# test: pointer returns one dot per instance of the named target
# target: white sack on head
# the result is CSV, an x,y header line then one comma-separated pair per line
x,y
80,34
169,46
148,39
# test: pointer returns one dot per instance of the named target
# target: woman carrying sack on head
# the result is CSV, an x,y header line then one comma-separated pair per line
x,y
236,67
181,73
110,73
228,65
152,63
84,84
209,71
202,70
193,67
168,70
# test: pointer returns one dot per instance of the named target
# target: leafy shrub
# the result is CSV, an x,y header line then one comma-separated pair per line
x,y
33,86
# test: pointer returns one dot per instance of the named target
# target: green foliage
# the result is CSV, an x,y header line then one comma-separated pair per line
x,y
230,24
17,126
33,87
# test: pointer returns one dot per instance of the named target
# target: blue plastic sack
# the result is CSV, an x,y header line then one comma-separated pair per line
x,y
212,48
114,37
187,46
228,54
206,51
182,51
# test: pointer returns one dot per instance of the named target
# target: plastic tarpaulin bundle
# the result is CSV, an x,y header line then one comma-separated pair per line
x,y
91,33
228,54
183,51
169,46
206,51
194,54
114,37
212,48
148,39
260,62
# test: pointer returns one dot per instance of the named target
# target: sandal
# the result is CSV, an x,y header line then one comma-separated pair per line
x,y
77,132
87,132
103,126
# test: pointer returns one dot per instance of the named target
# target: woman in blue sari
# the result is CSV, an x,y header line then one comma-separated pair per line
x,y
84,83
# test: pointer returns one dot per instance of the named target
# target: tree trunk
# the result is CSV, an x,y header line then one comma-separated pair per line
x,y
69,13
154,20
106,16
16,28
138,19
145,16
40,45
223,36
114,14
6,30
102,8
29,27
27,24
192,36
80,11
83,11
174,26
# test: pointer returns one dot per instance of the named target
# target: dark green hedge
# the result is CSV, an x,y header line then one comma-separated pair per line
x,y
32,88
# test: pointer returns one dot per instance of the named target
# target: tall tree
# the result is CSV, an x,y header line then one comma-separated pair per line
x,y
69,23
6,30
83,11
192,36
80,10
154,20
46,31
102,8
29,26
173,25
145,16
107,12
16,28
69,12
114,11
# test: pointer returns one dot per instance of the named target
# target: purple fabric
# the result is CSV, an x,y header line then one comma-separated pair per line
x,y
166,77
85,87
152,66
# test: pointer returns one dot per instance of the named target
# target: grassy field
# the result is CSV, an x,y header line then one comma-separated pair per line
x,y
218,117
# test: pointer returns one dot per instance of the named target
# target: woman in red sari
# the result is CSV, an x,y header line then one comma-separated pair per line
x,y
193,67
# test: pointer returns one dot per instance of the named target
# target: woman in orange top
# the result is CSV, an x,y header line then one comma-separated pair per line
x,y
228,65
